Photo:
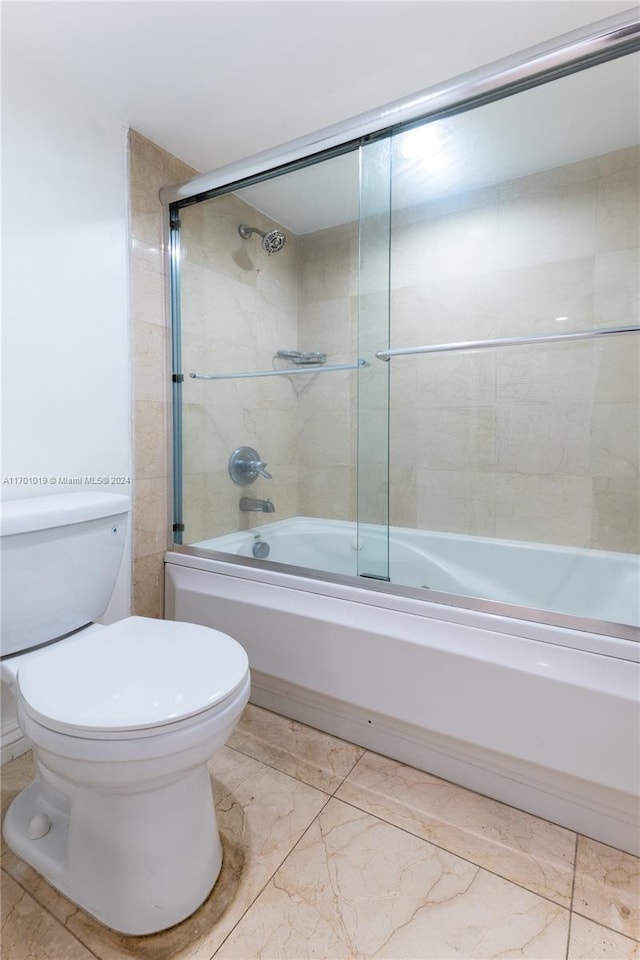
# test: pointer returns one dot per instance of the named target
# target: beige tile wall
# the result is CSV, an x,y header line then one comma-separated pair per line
x,y
149,169
536,443
327,321
239,306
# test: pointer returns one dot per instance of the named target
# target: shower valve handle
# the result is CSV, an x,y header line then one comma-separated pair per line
x,y
245,465
260,468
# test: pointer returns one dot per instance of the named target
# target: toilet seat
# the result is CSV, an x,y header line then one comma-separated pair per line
x,y
136,678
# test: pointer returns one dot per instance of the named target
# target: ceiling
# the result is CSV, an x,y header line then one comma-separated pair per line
x,y
214,82
586,114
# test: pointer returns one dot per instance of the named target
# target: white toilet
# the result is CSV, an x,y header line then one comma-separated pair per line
x,y
123,720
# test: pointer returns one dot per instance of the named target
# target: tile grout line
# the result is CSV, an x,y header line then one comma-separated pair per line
x,y
327,795
293,775
573,889
599,923
515,883
479,793
571,909
270,766
375,753
46,910
347,775
268,881
459,856
330,797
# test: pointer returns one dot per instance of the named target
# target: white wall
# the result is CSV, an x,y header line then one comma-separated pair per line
x,y
65,331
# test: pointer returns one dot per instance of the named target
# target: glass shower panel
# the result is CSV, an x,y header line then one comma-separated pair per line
x,y
267,368
515,462
238,309
372,541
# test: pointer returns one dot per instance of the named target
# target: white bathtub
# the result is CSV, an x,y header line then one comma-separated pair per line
x,y
539,716
589,584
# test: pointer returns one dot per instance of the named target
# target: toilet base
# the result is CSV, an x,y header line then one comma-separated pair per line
x,y
138,862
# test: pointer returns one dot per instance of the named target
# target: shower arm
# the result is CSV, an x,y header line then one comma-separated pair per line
x,y
507,342
245,231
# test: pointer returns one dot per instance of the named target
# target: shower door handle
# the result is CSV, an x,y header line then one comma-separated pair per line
x,y
508,341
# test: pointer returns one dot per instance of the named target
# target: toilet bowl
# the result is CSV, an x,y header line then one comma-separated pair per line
x,y
120,817
124,720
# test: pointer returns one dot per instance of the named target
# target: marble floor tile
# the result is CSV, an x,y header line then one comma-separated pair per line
x,y
590,941
356,887
400,865
261,812
16,774
30,933
229,770
607,887
520,847
309,755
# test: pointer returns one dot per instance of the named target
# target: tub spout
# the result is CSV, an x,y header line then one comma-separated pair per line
x,y
251,505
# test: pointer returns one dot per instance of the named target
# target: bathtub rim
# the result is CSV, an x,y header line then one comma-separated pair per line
x,y
621,641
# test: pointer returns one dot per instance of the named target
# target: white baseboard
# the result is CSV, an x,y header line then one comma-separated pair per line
x,y
589,809
14,742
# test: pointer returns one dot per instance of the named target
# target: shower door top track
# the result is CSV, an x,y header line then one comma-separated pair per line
x,y
595,43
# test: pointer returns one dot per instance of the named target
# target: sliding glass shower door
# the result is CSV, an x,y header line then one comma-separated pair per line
x,y
513,446
266,373
415,360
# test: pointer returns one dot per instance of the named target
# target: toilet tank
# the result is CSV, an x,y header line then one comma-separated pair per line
x,y
59,563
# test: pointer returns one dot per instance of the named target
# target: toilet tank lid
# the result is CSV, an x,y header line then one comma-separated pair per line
x,y
43,513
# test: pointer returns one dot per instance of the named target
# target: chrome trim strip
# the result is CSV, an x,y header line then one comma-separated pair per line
x,y
176,524
312,368
595,42
522,617
506,342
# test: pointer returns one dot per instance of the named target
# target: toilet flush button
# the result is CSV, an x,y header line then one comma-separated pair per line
x,y
39,826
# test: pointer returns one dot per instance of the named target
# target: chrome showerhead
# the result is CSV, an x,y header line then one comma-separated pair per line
x,y
272,242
